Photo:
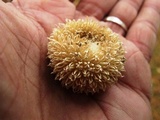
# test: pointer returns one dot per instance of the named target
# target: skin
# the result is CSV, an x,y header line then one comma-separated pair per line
x,y
28,91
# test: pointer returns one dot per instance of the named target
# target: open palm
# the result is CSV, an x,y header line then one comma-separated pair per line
x,y
28,91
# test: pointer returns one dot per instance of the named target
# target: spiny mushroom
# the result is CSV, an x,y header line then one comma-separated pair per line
x,y
85,56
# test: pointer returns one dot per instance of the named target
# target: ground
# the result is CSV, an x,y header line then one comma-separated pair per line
x,y
155,67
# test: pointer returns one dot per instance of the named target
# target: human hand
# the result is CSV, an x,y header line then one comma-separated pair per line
x,y
27,90
140,37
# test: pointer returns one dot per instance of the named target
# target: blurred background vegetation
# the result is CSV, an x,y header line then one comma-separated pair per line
x,y
155,67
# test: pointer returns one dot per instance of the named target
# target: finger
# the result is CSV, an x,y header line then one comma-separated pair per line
x,y
125,10
144,29
96,8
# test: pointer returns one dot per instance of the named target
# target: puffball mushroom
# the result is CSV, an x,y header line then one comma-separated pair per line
x,y
85,56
